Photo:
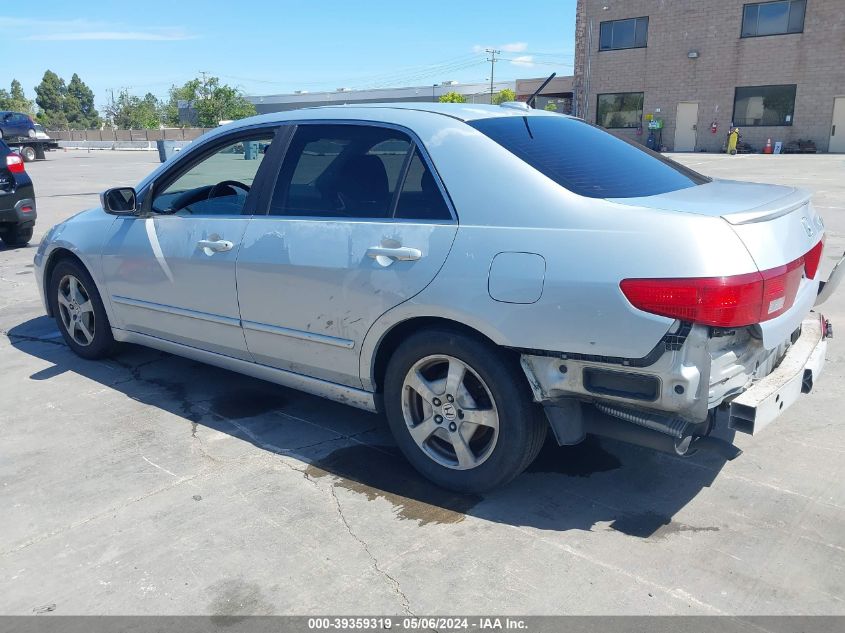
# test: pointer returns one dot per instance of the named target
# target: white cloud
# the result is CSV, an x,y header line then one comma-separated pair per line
x,y
31,29
523,60
513,47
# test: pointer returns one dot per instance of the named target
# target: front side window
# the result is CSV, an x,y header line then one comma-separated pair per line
x,y
585,159
764,105
355,171
218,184
619,34
620,110
773,18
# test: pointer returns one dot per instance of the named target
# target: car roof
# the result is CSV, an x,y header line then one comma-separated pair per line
x,y
461,111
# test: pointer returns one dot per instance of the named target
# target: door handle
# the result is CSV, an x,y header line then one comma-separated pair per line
x,y
210,247
833,131
385,255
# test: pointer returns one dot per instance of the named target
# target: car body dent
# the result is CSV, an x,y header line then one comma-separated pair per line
x,y
82,235
503,205
293,293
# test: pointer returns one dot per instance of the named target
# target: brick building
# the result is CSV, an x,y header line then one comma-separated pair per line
x,y
776,69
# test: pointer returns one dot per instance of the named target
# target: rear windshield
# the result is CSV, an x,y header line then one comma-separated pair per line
x,y
587,160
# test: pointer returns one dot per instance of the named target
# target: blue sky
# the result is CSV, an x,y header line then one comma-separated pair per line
x,y
267,47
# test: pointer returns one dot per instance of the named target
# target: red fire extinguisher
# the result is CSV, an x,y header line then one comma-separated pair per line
x,y
714,127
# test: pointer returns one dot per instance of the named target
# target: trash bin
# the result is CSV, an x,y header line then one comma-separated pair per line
x,y
166,149
251,150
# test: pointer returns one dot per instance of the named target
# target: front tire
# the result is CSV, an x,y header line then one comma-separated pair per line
x,y
28,154
461,411
79,312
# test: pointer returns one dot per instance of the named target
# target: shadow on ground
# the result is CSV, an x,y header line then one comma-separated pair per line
x,y
599,484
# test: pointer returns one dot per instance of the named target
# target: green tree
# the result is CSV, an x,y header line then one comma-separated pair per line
x,y
505,95
50,97
130,112
186,93
453,97
210,100
79,105
15,100
551,106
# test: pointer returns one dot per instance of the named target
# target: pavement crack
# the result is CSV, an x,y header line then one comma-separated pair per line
x,y
406,605
31,339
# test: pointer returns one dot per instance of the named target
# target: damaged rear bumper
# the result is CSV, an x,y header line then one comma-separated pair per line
x,y
766,399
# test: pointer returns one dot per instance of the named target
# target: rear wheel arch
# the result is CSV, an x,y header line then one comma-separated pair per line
x,y
391,340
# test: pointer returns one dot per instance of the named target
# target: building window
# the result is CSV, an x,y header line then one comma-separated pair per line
x,y
620,110
618,34
773,18
764,105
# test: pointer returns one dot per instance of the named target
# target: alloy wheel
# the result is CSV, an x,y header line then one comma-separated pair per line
x,y
450,412
76,310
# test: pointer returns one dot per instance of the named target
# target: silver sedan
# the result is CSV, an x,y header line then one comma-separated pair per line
x,y
482,274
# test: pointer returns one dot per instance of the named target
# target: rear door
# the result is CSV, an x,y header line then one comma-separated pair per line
x,y
358,223
17,125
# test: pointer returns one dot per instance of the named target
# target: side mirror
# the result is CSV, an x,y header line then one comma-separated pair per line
x,y
119,201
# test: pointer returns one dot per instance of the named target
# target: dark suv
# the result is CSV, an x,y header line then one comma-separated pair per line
x,y
16,124
17,199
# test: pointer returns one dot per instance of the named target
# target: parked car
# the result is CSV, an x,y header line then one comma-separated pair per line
x,y
40,132
479,273
15,125
17,199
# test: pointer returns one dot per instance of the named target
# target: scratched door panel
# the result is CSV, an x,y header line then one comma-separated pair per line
x,y
309,290
162,282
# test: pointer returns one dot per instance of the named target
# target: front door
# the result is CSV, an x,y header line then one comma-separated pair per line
x,y
172,275
837,128
686,127
358,223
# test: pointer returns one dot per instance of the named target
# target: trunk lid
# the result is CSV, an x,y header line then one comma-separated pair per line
x,y
776,224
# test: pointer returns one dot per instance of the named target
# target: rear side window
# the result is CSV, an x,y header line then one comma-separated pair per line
x,y
356,171
420,198
340,171
585,159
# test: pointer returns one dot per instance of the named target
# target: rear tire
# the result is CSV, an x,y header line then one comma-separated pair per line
x,y
28,154
461,411
79,312
16,236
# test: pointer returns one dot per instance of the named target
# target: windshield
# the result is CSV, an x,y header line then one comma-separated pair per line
x,y
585,159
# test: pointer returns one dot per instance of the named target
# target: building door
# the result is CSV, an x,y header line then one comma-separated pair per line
x,y
686,126
837,128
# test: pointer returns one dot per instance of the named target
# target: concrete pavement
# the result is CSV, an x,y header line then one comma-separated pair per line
x,y
149,484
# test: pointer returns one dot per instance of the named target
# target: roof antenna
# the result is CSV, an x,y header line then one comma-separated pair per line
x,y
533,97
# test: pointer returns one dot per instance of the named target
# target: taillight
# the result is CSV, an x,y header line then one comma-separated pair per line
x,y
733,301
14,163
812,259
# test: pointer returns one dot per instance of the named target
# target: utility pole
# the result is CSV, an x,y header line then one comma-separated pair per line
x,y
492,59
